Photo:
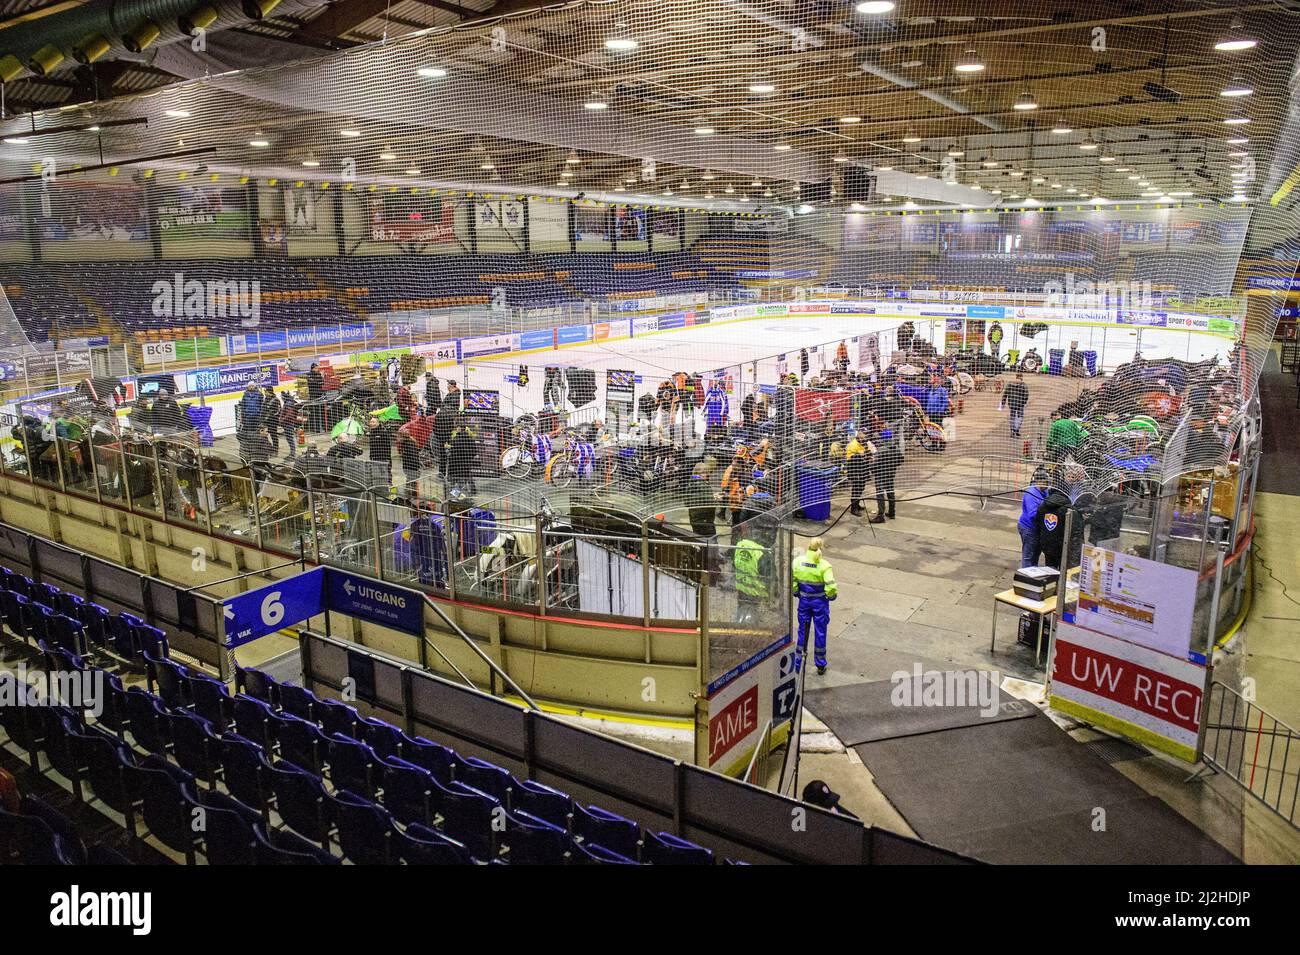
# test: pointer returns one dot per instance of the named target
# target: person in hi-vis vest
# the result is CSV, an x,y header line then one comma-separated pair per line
x,y
813,582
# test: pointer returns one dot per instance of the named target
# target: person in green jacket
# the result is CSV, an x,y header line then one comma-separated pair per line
x,y
813,582
1065,436
750,560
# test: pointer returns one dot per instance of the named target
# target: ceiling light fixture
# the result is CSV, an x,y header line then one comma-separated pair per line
x,y
968,62
876,7
595,102
431,72
1235,39
1236,88
1236,121
621,44
1026,102
762,89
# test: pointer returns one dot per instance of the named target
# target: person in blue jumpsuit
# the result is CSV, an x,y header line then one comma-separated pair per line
x,y
813,582
716,406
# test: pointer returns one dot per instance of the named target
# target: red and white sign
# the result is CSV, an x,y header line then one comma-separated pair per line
x,y
1149,696
811,404
733,724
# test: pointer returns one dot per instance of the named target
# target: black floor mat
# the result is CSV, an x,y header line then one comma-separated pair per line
x,y
864,712
1024,792
1141,831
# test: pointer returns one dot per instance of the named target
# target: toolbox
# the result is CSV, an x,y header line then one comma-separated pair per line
x,y
1036,583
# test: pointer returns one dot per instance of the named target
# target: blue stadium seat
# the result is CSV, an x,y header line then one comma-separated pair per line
x,y
95,619
364,829
485,776
29,840
593,824
228,829
193,744
261,685
167,794
298,700
210,699
146,716
591,853
61,747
335,717
241,770
420,845
384,738
666,849
107,763
253,720
300,799
114,714
280,847
467,815
434,757
542,801
352,765
71,846
301,742
408,791
167,679
146,638
533,841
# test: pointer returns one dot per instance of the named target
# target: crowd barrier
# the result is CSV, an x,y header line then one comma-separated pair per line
x,y
735,819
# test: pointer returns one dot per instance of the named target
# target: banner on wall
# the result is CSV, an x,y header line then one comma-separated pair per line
x,y
506,215
204,210
300,210
591,223
630,224
416,219
665,224
84,211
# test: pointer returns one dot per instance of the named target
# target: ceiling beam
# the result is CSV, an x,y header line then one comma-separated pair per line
x,y
342,17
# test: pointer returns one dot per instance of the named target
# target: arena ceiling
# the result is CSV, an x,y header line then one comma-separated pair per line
x,y
1023,99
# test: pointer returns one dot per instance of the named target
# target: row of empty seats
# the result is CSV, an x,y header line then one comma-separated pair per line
x,y
284,776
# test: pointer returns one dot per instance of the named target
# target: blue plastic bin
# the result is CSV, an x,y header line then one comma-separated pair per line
x,y
200,416
1090,363
815,491
1055,361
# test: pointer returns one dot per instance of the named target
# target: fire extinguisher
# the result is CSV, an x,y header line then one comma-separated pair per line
x,y
302,437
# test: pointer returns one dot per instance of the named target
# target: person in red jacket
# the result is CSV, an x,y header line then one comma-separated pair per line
x,y
406,403
411,439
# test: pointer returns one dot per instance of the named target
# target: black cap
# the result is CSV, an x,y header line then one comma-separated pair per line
x,y
819,794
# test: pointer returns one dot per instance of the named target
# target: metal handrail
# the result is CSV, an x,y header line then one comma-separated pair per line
x,y
469,642
760,751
